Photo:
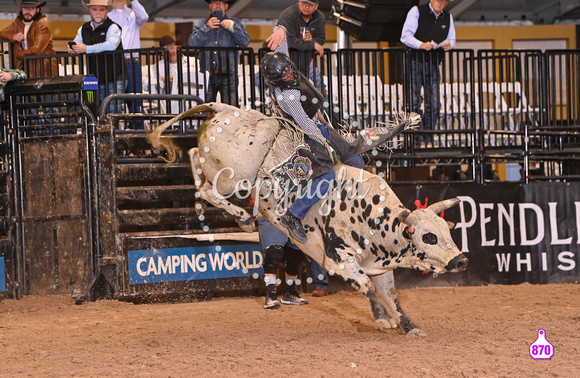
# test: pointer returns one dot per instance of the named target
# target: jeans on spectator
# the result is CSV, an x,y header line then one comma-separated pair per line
x,y
109,88
425,74
319,275
134,85
226,84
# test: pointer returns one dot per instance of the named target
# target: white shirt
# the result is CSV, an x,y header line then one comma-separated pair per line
x,y
194,82
130,20
412,24
27,26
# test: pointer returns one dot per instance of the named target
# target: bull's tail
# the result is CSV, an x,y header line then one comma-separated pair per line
x,y
154,137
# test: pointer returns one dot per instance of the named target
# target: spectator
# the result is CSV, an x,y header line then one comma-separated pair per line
x,y
130,20
7,75
277,248
306,29
96,37
158,83
30,35
218,30
427,29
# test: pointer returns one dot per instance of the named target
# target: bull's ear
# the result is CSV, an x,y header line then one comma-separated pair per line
x,y
451,225
438,207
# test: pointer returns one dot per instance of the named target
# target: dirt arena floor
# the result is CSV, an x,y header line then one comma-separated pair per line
x,y
471,332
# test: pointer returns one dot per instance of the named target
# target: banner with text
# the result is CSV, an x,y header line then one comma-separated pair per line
x,y
510,232
195,263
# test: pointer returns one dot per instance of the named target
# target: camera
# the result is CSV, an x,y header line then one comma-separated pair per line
x,y
218,14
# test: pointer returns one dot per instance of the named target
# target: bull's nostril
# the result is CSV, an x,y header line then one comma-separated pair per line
x,y
457,264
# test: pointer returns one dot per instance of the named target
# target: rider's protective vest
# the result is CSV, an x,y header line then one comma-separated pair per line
x,y
311,98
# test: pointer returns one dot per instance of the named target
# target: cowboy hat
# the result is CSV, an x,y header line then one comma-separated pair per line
x,y
166,40
229,2
103,3
30,4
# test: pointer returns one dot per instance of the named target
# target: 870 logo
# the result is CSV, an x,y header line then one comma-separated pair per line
x,y
541,349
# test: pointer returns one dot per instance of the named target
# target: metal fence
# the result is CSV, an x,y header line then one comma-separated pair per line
x,y
489,107
93,186
50,172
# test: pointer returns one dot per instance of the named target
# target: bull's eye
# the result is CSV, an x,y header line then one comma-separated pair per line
x,y
430,238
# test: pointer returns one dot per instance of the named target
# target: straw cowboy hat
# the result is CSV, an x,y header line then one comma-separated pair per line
x,y
103,3
30,4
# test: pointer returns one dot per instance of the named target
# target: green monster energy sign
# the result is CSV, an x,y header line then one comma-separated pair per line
x,y
90,84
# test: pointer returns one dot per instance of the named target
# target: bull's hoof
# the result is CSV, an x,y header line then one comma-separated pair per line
x,y
386,323
246,224
416,332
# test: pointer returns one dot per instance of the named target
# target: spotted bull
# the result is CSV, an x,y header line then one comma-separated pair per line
x,y
360,231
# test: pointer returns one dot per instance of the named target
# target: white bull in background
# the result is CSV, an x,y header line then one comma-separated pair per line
x,y
361,233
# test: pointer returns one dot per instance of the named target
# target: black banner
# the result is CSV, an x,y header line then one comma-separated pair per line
x,y
510,232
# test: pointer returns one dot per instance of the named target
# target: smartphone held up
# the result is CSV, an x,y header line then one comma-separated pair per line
x,y
218,14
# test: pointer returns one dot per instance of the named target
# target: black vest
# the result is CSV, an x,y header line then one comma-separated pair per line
x,y
308,94
311,98
105,66
431,28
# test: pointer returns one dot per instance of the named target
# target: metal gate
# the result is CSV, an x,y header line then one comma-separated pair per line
x,y
7,263
153,243
53,193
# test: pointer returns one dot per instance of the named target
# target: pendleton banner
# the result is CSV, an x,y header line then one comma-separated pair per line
x,y
510,232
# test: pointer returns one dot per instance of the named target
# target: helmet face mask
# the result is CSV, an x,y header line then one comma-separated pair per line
x,y
279,70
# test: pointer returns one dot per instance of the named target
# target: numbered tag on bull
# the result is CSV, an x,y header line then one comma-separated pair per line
x,y
541,349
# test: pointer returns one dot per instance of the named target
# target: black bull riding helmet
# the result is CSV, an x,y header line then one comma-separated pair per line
x,y
275,66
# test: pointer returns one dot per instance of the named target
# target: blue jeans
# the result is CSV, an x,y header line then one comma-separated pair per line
x,y
109,88
312,194
270,235
134,85
319,275
355,161
319,187
425,74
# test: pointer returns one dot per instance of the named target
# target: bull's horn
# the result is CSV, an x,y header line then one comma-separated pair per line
x,y
407,217
438,207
